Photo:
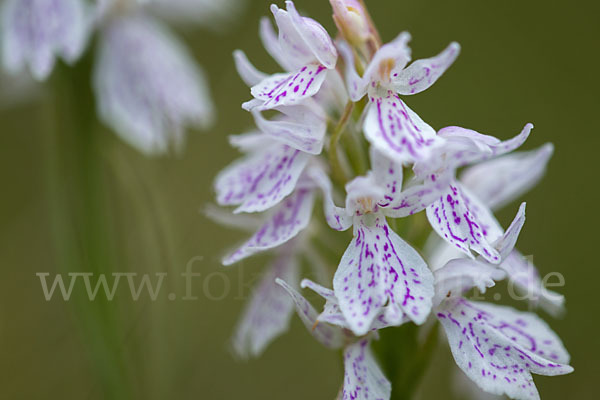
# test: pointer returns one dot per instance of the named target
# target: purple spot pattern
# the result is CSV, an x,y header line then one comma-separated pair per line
x,y
289,89
397,131
262,179
379,269
363,379
268,312
421,74
332,314
460,219
499,348
290,217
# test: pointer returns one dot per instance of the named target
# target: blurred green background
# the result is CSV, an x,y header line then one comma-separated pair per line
x,y
69,186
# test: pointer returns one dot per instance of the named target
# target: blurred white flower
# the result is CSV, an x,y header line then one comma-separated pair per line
x,y
147,85
35,32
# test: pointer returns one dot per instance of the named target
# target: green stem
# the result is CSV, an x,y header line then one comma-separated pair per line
x,y
336,167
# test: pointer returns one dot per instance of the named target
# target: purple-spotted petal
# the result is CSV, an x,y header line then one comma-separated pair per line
x,y
378,268
269,310
387,174
417,197
332,314
287,89
498,348
466,146
289,219
524,277
35,32
498,182
300,129
249,74
396,131
329,336
260,180
421,74
464,222
363,379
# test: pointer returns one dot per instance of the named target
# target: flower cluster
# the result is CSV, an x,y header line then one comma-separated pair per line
x,y
148,88
341,122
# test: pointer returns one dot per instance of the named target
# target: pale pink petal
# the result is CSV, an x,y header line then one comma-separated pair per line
x,y
498,182
525,279
506,243
300,129
287,89
357,85
498,348
464,222
314,36
421,74
270,41
336,217
260,180
378,268
249,74
396,131
269,310
363,379
329,336
288,219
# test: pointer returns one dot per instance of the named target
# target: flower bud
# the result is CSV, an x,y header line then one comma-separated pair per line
x,y
354,23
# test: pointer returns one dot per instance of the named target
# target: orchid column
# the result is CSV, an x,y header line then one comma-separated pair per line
x,y
339,128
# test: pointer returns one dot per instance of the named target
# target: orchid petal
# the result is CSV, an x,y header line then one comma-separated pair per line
x,y
463,274
397,131
287,89
270,42
244,222
337,217
499,348
506,243
464,222
35,32
357,86
470,147
304,131
148,86
249,74
314,36
417,197
250,142
396,54
526,280
379,267
388,175
289,219
363,379
262,179
329,336
512,174
269,310
421,74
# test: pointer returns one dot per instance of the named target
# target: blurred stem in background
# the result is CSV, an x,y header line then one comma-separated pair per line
x,y
82,232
